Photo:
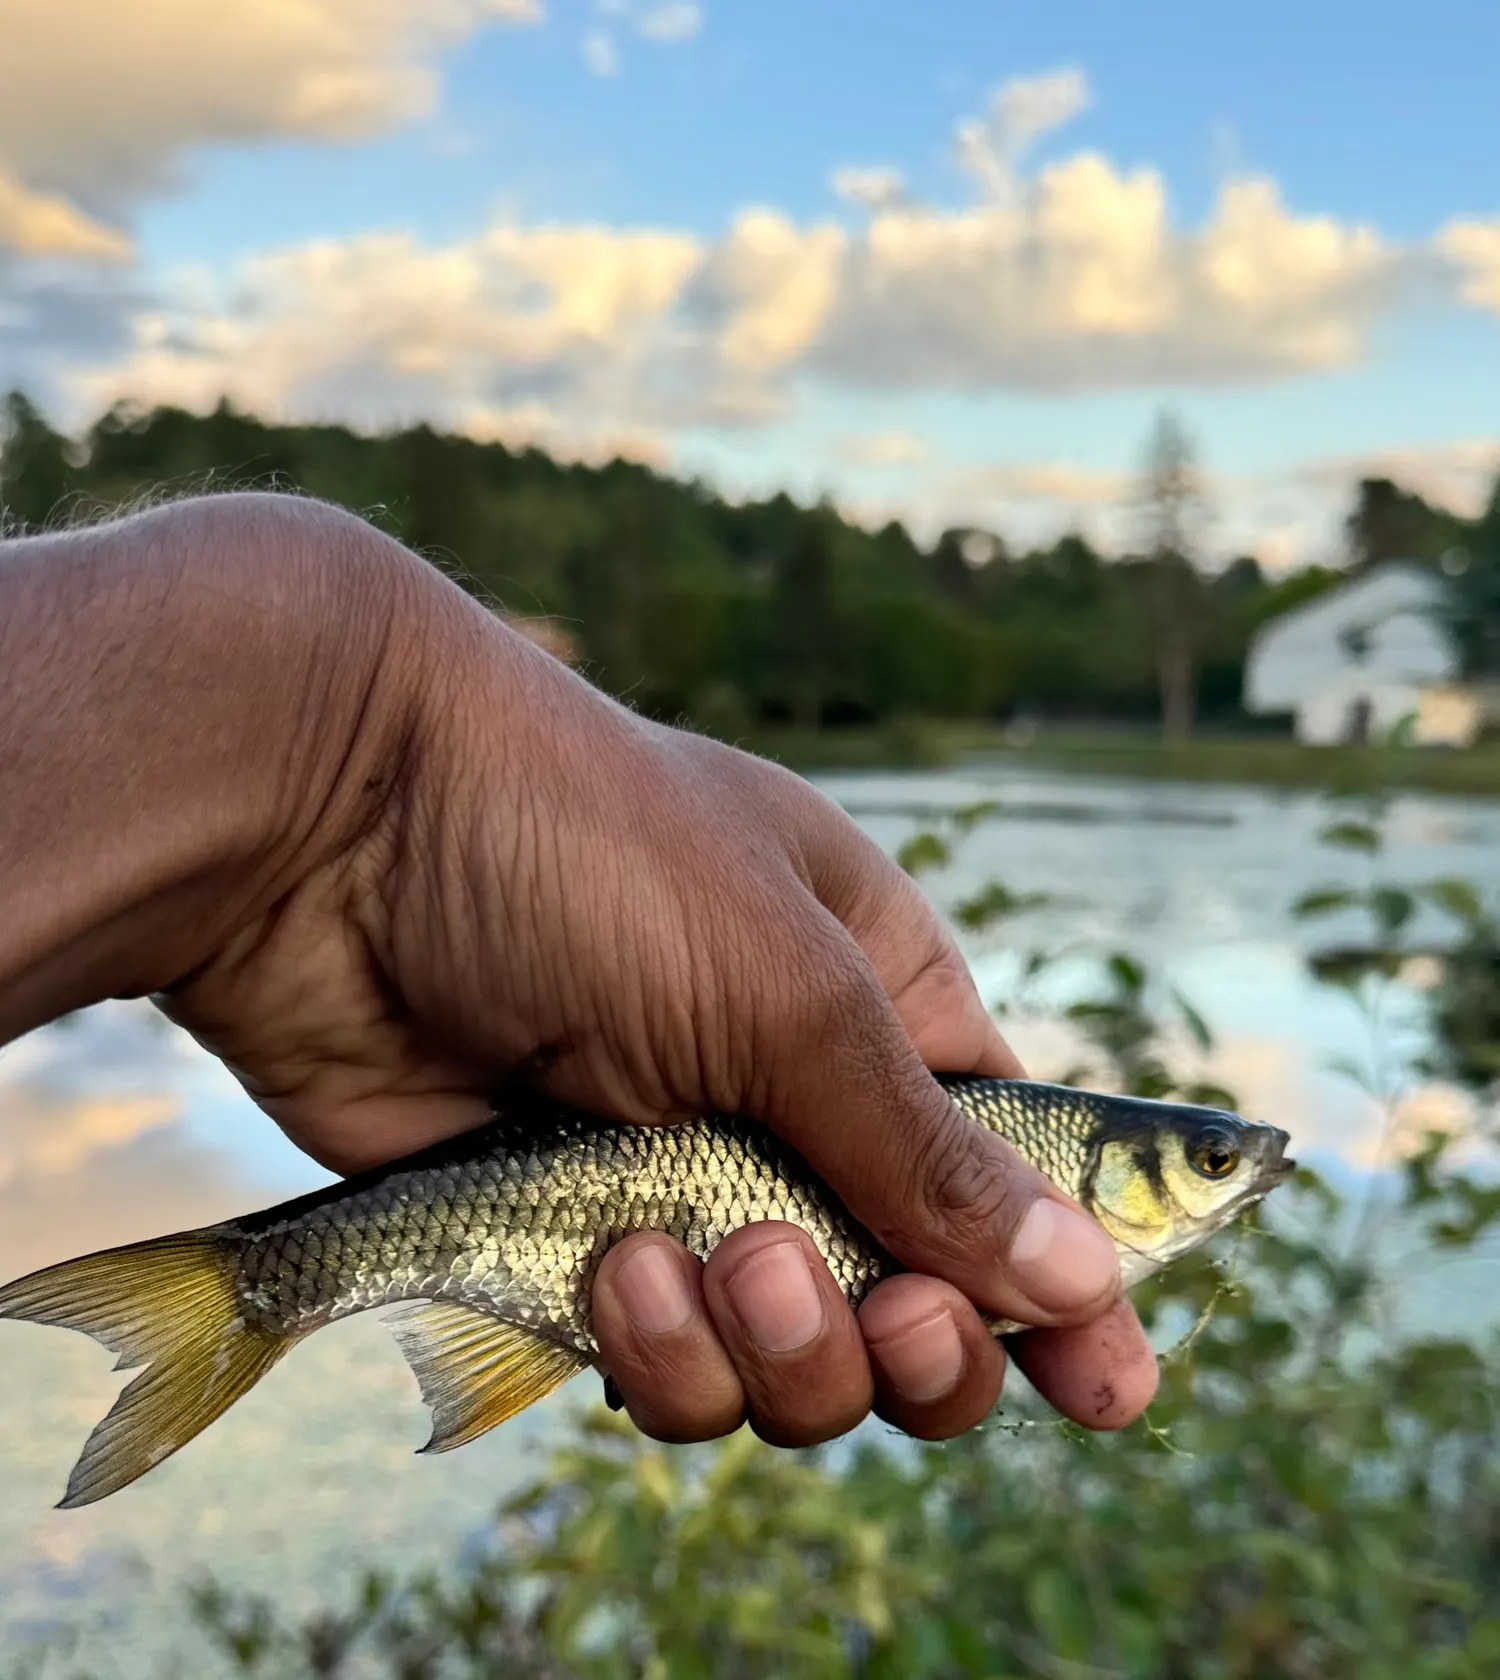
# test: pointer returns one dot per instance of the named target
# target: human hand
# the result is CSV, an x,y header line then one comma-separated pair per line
x,y
488,871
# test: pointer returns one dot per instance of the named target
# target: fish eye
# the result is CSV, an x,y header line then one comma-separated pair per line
x,y
1213,1152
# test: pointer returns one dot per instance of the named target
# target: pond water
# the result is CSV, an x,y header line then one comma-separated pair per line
x,y
115,1127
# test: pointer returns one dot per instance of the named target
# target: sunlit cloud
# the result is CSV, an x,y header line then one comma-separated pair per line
x,y
105,104
1474,248
41,224
883,449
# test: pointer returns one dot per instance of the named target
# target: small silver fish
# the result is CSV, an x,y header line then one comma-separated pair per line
x,y
495,1235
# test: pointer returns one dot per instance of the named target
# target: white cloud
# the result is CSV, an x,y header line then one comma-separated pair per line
x,y
106,102
554,331
876,187
1078,279
1020,112
1059,482
883,449
599,53
1474,249
772,284
1085,283
677,21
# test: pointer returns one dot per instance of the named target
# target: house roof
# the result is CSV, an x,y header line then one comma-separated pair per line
x,y
1394,586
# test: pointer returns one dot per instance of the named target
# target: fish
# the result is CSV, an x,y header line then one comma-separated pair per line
x,y
489,1242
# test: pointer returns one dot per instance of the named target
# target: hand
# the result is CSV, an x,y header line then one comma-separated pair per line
x,y
491,871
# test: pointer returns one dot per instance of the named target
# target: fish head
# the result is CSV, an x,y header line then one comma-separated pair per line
x,y
1165,1177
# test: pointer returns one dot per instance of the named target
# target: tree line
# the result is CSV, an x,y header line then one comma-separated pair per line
x,y
734,616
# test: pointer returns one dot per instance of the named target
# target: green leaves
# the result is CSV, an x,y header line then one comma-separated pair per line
x,y
1352,835
994,903
924,852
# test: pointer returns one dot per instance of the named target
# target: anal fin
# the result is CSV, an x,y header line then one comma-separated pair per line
x,y
474,1371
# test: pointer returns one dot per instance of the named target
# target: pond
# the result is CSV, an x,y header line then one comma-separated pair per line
x,y
114,1127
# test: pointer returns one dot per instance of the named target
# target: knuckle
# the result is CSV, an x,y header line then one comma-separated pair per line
x,y
788,1420
966,1195
667,1414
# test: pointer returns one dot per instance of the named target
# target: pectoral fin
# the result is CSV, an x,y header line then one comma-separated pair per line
x,y
474,1371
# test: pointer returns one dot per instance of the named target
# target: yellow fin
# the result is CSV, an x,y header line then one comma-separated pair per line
x,y
474,1371
169,1305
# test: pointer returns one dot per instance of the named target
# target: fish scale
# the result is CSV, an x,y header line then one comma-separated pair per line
x,y
561,1187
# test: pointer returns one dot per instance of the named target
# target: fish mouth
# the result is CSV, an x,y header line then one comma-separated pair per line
x,y
1277,1166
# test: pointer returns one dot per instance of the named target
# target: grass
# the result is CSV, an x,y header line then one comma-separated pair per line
x,y
1208,757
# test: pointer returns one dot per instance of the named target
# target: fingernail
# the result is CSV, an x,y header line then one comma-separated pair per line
x,y
924,1362
651,1288
776,1299
1062,1259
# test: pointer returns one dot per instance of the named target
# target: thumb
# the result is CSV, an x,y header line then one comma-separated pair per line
x,y
841,1081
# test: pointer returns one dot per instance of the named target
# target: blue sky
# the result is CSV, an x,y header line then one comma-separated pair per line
x,y
622,224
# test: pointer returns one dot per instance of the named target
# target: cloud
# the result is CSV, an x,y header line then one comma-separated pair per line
x,y
51,1136
107,102
1075,278
673,22
36,224
1474,249
1086,284
1042,481
1456,473
561,330
876,187
665,25
1020,112
883,449
770,286
599,53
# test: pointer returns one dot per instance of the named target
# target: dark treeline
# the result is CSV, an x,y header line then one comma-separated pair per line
x,y
761,613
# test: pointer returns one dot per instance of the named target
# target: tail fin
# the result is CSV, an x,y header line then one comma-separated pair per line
x,y
171,1306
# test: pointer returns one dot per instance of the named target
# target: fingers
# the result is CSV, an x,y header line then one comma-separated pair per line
x,y
763,1331
1102,1375
938,1371
838,1077
659,1344
790,1333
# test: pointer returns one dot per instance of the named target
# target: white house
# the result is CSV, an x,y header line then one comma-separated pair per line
x,y
1356,661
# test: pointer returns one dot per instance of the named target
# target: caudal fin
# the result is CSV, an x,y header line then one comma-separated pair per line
x,y
171,1306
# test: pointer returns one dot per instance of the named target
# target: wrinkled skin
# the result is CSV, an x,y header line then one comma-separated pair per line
x,y
444,861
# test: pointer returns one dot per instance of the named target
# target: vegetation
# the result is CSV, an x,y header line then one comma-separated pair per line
x,y
767,614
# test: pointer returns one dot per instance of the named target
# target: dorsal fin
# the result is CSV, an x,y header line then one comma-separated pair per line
x,y
474,1371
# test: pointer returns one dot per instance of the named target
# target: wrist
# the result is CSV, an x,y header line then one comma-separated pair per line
x,y
195,703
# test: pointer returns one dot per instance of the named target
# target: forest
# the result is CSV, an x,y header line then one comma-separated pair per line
x,y
732,616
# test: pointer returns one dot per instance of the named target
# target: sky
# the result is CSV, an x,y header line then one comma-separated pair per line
x,y
944,263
